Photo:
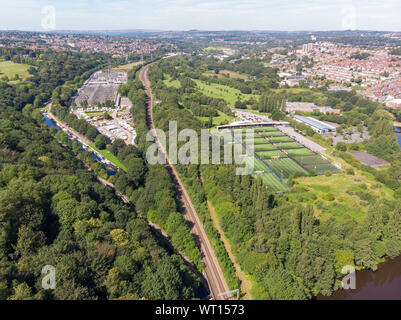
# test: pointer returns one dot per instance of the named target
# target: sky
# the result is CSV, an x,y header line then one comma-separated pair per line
x,y
286,15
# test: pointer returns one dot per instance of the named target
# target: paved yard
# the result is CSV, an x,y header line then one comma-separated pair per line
x,y
355,136
369,160
301,139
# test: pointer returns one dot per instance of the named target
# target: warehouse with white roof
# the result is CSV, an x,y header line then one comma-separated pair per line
x,y
315,124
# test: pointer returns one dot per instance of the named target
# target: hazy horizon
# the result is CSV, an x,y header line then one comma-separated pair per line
x,y
204,15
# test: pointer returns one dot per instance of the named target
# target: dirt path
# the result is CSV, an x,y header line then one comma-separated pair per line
x,y
246,284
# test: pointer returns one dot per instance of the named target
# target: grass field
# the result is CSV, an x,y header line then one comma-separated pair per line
x,y
307,160
264,147
270,154
322,168
109,156
346,190
255,163
225,73
171,83
272,182
255,140
219,91
285,167
11,69
289,145
268,134
280,139
127,67
222,118
299,152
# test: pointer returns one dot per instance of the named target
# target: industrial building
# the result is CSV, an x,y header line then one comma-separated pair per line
x,y
315,124
292,107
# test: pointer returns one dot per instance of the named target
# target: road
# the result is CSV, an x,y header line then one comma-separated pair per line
x,y
213,273
301,139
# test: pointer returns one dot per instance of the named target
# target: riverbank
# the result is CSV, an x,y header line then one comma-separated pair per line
x,y
383,284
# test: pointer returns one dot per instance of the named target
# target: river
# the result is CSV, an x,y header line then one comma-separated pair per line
x,y
398,135
383,284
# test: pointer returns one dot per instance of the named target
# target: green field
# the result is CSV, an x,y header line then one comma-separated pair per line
x,y
299,152
109,156
346,204
289,145
264,129
224,73
171,83
264,147
269,154
280,139
322,168
271,134
11,69
127,67
255,140
272,182
306,160
219,91
285,167
255,164
222,118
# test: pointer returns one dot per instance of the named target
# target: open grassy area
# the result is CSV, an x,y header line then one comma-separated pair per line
x,y
299,152
270,154
231,95
109,156
225,73
127,67
171,83
319,96
340,196
285,167
11,69
271,182
264,147
222,118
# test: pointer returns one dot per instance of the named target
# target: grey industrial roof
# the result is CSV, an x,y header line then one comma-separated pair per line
x,y
315,123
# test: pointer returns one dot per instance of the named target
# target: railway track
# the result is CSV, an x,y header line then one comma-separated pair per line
x,y
212,271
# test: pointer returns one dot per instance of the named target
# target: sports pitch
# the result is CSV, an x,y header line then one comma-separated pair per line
x,y
277,157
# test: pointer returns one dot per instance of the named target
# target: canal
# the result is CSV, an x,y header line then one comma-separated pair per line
x,y
51,124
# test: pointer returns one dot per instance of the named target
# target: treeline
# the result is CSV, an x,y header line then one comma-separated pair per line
x,y
53,211
273,103
290,252
186,96
169,110
149,186
51,70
